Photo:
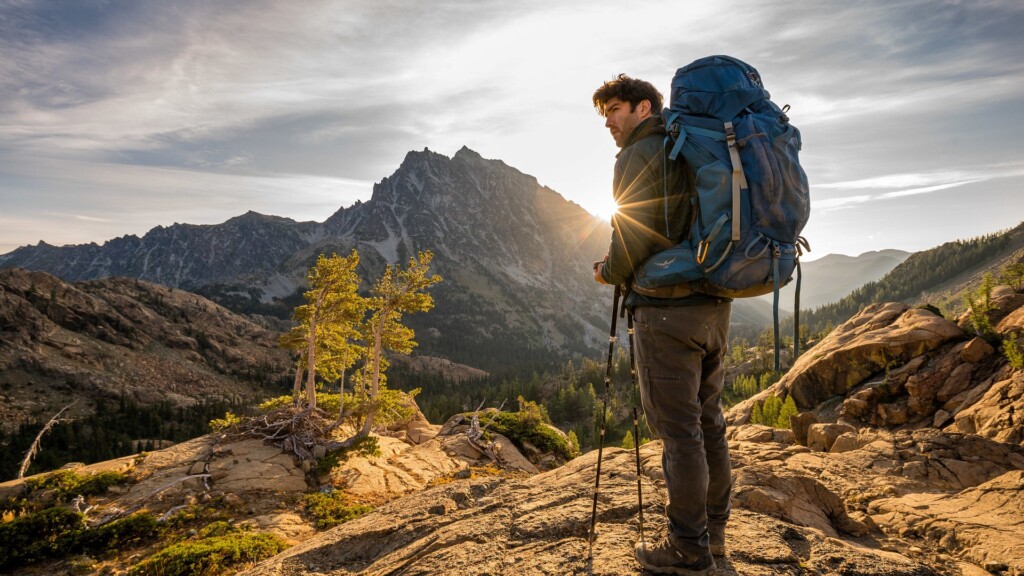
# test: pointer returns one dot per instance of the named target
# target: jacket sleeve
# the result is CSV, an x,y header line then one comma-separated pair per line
x,y
638,228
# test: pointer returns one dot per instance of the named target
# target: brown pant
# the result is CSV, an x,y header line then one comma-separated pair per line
x,y
680,352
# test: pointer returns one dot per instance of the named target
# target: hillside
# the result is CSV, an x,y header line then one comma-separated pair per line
x,y
118,345
939,276
833,276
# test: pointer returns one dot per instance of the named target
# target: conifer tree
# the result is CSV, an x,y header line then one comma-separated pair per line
x,y
398,292
788,409
327,323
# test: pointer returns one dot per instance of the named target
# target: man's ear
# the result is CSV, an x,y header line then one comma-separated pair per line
x,y
644,108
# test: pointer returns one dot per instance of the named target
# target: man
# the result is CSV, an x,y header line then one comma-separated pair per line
x,y
681,335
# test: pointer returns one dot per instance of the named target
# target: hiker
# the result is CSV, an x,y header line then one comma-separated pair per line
x,y
681,335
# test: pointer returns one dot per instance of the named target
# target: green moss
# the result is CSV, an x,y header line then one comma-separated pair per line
x,y
329,510
67,484
364,446
529,425
206,556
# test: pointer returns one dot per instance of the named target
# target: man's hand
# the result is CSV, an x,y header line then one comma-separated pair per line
x,y
598,267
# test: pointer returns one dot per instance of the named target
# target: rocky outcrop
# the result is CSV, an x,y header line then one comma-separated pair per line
x,y
540,525
893,366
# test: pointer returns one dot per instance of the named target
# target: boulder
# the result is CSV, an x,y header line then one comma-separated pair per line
x,y
821,436
882,335
799,424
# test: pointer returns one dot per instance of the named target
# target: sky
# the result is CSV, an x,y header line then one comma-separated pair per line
x,y
119,116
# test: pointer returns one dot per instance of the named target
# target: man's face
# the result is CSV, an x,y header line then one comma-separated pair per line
x,y
621,121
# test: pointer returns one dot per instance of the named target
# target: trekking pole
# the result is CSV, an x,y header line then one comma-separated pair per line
x,y
604,408
636,425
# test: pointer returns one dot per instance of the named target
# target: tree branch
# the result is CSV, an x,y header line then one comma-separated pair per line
x,y
35,444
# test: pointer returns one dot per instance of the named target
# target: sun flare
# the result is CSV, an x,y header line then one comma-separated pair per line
x,y
605,210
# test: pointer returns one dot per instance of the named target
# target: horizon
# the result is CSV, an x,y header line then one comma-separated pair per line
x,y
118,118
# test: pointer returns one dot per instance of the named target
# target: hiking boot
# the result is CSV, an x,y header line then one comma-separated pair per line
x,y
717,539
664,558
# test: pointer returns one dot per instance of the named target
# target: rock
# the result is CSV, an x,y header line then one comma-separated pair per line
x,y
976,350
956,383
800,423
289,526
893,414
998,414
981,524
846,442
940,419
874,339
821,436
751,433
254,466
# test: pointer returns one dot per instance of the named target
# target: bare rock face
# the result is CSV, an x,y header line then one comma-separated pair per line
x,y
983,523
880,336
897,367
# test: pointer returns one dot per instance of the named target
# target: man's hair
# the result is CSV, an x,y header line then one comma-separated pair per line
x,y
627,89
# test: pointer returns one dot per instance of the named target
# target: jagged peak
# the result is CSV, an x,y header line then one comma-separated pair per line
x,y
466,153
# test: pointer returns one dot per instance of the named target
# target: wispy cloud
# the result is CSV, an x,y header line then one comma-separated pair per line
x,y
195,108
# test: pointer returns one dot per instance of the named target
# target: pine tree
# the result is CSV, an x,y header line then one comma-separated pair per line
x,y
788,409
398,292
327,323
627,442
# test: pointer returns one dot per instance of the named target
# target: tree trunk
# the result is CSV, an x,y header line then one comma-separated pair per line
x,y
311,365
375,382
297,387
341,399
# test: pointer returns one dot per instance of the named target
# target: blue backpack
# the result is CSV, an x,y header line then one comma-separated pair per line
x,y
751,197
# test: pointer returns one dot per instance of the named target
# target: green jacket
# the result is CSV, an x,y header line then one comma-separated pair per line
x,y
641,226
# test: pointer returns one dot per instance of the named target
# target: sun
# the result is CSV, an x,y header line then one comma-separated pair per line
x,y
605,209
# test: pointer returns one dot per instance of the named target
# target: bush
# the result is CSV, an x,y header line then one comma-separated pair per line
x,y
1012,351
229,420
331,509
210,555
56,532
67,484
43,534
529,424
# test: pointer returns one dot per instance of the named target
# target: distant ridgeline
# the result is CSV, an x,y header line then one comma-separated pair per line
x,y
515,257
937,276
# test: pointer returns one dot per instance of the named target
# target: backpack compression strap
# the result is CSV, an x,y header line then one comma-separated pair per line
x,y
739,180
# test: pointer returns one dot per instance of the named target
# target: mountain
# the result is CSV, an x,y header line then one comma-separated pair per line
x,y
515,257
833,276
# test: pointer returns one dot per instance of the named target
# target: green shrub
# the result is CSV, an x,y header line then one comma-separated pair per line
x,y
230,419
206,556
56,532
38,535
529,424
67,483
119,534
329,510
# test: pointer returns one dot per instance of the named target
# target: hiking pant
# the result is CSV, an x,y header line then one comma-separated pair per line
x,y
680,352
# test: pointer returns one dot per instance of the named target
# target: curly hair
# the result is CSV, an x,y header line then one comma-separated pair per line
x,y
627,89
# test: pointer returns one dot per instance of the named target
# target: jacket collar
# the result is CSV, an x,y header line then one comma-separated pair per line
x,y
652,125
